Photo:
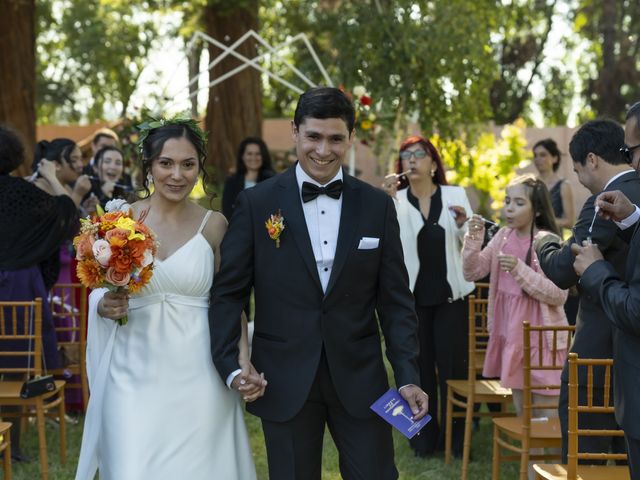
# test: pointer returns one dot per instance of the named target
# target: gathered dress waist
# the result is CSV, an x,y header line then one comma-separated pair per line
x,y
171,298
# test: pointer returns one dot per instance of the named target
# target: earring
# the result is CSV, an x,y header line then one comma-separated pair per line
x,y
149,179
433,172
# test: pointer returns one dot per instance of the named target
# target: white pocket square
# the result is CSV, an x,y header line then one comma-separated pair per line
x,y
368,243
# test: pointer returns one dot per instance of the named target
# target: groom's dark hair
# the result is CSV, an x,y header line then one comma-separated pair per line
x,y
325,102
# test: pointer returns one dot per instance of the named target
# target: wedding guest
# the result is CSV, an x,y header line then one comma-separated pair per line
x,y
158,409
253,165
34,223
546,158
600,166
67,159
518,289
103,137
432,218
107,185
619,296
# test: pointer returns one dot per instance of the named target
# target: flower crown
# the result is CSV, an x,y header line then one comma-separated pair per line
x,y
153,123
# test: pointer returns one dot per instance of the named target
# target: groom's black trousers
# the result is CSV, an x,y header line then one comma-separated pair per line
x,y
294,448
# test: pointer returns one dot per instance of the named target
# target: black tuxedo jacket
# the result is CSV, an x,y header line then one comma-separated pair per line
x,y
594,332
621,302
294,319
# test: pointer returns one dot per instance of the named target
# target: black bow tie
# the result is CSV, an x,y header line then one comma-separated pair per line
x,y
311,191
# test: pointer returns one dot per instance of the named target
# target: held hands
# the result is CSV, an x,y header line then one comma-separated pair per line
x,y
114,305
249,383
418,400
614,205
507,262
585,256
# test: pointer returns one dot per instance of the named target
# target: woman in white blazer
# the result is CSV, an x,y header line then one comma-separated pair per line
x,y
432,218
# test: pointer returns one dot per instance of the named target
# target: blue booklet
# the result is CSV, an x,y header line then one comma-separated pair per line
x,y
395,410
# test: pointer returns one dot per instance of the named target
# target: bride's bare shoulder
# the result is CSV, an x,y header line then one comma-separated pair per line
x,y
215,228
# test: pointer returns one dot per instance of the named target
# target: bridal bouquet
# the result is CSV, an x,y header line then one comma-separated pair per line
x,y
114,250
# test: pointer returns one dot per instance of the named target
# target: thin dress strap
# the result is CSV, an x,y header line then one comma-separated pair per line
x,y
204,221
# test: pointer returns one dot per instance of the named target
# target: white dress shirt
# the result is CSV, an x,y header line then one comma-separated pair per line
x,y
322,216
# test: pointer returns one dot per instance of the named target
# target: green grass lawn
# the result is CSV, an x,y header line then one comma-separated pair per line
x,y
409,466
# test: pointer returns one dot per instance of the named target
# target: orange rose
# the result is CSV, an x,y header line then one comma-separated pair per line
x,y
84,246
117,237
90,273
121,259
137,249
116,278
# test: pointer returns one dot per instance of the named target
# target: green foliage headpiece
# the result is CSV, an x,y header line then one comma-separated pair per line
x,y
153,123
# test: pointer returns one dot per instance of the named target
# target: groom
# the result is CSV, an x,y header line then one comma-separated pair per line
x,y
325,286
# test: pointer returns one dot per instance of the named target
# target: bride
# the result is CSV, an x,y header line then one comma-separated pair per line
x,y
158,409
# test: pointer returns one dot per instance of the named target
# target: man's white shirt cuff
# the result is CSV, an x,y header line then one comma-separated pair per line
x,y
630,220
233,375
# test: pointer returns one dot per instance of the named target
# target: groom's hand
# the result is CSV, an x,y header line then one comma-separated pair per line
x,y
418,400
249,383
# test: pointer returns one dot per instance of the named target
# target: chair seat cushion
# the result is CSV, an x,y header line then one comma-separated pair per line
x,y
585,472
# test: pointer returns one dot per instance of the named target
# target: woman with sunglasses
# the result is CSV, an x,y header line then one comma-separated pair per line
x,y
432,217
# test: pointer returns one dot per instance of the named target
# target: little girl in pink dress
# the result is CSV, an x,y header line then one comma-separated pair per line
x,y
518,289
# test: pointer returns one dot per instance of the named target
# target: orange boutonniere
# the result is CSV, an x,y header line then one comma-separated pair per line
x,y
275,226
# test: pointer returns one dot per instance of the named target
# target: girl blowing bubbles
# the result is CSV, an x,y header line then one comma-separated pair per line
x,y
518,289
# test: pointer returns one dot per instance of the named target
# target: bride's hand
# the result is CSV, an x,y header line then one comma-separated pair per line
x,y
114,305
249,383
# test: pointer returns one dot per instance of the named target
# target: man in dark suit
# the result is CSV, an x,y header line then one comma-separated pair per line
x,y
595,150
323,286
620,298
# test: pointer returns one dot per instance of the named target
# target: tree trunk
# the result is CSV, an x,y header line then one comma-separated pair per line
x,y
18,72
610,102
193,57
234,110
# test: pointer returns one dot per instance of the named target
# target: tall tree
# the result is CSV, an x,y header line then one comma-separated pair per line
x,y
90,57
611,66
234,110
18,71
520,39
425,61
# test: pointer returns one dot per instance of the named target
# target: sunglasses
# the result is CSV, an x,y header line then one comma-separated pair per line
x,y
407,154
628,152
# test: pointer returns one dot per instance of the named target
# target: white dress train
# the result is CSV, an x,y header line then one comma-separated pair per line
x,y
158,409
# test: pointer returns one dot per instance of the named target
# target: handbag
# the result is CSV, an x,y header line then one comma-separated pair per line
x,y
38,385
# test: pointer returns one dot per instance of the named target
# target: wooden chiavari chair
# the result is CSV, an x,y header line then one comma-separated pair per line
x,y
69,309
465,394
21,324
573,471
519,435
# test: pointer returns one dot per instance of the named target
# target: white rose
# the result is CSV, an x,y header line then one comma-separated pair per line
x,y
117,205
102,252
359,91
148,258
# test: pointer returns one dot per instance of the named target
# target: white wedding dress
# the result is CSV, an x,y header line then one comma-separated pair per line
x,y
158,409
